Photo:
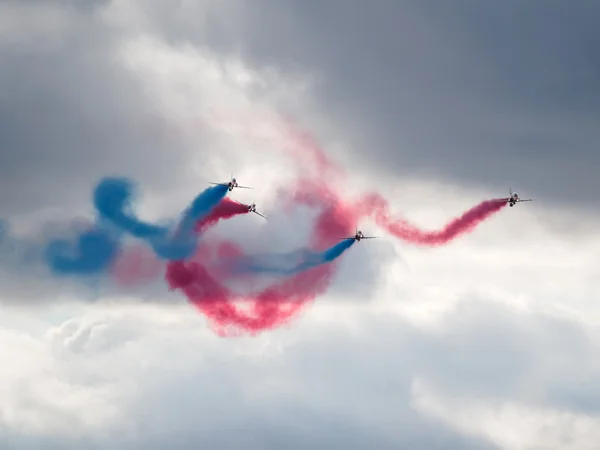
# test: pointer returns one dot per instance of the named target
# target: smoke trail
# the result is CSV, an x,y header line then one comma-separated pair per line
x,y
95,251
404,230
265,310
226,209
288,263
312,192
113,197
255,311
375,206
138,265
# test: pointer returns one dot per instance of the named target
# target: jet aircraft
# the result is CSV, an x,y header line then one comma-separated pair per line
x,y
232,184
251,208
514,199
358,236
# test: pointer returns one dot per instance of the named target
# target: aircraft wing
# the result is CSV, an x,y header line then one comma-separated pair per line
x,y
526,200
348,239
243,187
368,237
220,184
501,200
256,212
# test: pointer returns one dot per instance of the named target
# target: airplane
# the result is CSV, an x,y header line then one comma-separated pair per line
x,y
358,236
252,208
514,198
232,184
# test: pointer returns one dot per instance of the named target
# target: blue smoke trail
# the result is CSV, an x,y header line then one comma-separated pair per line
x,y
112,199
290,263
93,252
96,250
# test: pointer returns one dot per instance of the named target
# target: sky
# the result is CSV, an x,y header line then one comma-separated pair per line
x,y
489,342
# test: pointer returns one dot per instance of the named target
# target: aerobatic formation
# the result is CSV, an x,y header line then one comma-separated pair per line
x,y
235,290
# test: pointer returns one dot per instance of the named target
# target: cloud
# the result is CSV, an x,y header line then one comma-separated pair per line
x,y
198,398
347,376
191,87
483,95
70,114
448,348
530,426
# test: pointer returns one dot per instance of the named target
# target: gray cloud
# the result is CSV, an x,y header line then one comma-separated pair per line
x,y
247,433
484,93
501,94
70,115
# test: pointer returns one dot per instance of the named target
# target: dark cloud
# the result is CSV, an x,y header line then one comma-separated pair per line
x,y
503,94
252,435
82,5
69,113
484,93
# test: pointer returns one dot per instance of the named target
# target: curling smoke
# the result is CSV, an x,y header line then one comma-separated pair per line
x,y
139,265
95,251
251,311
192,266
378,207
113,197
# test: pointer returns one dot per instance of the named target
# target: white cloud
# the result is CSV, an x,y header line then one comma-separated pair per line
x,y
41,394
511,425
134,374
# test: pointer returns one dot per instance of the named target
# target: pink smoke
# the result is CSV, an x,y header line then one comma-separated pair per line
x,y
136,266
226,209
252,312
377,207
455,228
255,310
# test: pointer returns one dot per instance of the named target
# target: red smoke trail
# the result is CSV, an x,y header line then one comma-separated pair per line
x,y
231,312
304,145
264,310
304,148
337,219
226,209
461,225
376,206
307,152
278,304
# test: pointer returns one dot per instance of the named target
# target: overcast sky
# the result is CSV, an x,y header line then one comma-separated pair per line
x,y
489,343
